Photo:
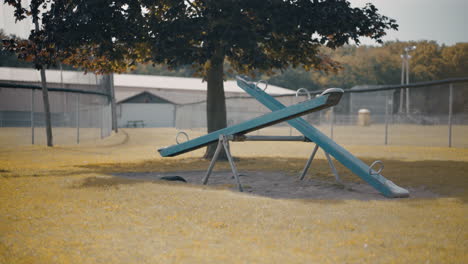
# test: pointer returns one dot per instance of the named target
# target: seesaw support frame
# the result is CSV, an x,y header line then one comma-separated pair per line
x,y
223,142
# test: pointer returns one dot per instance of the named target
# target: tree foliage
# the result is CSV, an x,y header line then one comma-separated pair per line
x,y
105,35
375,65
252,35
8,59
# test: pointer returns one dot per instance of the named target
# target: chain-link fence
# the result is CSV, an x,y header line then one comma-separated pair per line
x,y
80,111
437,115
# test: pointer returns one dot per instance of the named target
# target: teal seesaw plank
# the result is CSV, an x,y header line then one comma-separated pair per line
x,y
269,119
380,183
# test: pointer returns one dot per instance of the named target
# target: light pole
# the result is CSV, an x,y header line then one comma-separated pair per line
x,y
402,94
405,68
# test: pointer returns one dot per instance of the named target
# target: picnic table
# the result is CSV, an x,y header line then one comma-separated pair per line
x,y
135,123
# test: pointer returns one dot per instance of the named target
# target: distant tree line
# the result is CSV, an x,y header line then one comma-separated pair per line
x,y
374,65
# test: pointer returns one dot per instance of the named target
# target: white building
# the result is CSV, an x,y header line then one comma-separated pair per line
x,y
145,110
165,95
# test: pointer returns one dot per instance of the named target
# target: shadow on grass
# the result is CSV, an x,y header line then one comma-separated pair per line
x,y
99,182
444,178
120,181
67,171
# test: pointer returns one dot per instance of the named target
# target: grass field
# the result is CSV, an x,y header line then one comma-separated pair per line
x,y
20,136
398,135
62,205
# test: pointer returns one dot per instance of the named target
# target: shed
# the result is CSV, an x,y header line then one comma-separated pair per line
x,y
145,110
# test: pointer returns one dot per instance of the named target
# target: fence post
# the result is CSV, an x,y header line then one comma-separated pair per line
x,y
402,90
332,120
387,101
293,101
174,124
101,110
78,119
450,115
32,116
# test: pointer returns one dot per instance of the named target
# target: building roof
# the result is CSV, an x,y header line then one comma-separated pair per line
x,y
52,76
124,80
145,97
182,83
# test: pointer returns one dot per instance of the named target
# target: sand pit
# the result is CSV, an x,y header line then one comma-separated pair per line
x,y
280,185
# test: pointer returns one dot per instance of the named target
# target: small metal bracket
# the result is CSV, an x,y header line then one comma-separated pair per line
x,y
373,172
298,92
262,81
181,133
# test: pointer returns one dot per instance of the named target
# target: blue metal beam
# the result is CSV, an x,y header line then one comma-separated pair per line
x,y
380,183
269,119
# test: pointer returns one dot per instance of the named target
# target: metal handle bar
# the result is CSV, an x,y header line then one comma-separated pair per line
x,y
305,90
372,172
262,81
332,90
181,133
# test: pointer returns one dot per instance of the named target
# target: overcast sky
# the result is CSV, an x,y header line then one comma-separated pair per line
x,y
445,21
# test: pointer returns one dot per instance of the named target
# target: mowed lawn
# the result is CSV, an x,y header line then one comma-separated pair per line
x,y
62,205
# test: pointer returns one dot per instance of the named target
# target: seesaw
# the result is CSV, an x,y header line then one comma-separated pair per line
x,y
281,113
328,99
365,172
237,132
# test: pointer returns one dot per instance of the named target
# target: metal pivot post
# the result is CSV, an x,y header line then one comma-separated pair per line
x,y
223,142
330,163
333,168
309,161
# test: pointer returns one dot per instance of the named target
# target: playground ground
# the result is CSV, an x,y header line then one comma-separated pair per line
x,y
79,204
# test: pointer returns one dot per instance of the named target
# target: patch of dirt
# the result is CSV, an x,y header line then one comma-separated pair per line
x,y
280,185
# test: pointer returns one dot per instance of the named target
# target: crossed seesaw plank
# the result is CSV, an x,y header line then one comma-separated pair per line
x,y
291,114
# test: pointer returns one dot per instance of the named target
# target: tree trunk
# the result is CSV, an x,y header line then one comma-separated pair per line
x,y
215,103
109,80
45,99
45,96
